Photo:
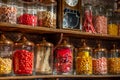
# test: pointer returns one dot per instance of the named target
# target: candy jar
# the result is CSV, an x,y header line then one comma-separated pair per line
x,y
99,60
63,59
28,15
47,13
23,57
112,24
6,50
44,58
84,60
114,61
8,12
100,20
88,18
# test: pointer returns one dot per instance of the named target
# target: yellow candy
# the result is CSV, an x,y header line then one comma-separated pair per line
x,y
112,29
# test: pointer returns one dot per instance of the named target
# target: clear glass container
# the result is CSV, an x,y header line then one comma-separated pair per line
x,y
23,57
84,60
88,19
47,17
6,50
28,15
114,61
8,12
44,58
99,61
63,59
112,24
100,19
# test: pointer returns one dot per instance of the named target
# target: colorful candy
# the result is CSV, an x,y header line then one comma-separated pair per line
x,y
113,29
64,60
27,19
100,65
23,62
84,63
5,65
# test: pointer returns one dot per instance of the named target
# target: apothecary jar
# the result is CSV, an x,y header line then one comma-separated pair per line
x,y
44,58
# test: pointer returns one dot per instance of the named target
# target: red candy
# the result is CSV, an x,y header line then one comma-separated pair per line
x,y
27,19
23,62
64,60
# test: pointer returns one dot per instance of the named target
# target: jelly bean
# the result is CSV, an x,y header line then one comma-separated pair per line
x,y
100,66
27,19
23,62
114,65
64,60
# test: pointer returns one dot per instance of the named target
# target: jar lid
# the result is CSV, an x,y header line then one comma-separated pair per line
x,y
85,47
45,43
65,44
99,48
4,40
114,49
47,2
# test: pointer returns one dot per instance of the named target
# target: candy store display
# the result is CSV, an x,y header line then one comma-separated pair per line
x,y
100,60
44,58
100,20
23,57
114,61
6,48
46,14
88,19
8,12
84,60
63,63
27,14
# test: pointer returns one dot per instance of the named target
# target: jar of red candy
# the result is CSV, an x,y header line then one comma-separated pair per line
x,y
27,16
114,61
46,13
6,50
84,60
100,20
100,60
23,57
63,59
8,11
44,58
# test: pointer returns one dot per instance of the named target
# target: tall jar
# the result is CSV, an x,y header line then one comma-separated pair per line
x,y
114,61
112,23
44,58
100,20
100,60
23,57
8,12
28,15
47,13
6,50
84,60
63,59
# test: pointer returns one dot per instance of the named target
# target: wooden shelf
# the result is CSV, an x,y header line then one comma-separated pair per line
x,y
60,76
44,30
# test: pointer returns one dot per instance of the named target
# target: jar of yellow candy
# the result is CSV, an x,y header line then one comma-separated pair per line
x,y
114,61
6,47
84,60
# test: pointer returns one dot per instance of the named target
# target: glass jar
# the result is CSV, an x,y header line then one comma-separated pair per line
x,y
114,61
112,24
100,20
100,60
8,12
44,58
28,15
23,57
84,60
88,19
47,17
6,50
63,59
